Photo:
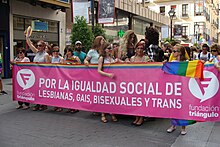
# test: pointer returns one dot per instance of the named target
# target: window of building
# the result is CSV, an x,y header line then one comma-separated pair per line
x,y
120,23
52,26
18,23
185,30
162,10
199,27
185,10
21,23
198,7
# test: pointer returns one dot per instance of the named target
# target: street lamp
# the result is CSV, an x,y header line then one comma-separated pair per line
x,y
171,14
196,30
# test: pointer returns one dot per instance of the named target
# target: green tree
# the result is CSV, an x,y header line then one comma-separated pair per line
x,y
81,31
99,31
173,42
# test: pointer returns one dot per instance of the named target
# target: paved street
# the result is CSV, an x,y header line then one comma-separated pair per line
x,y
20,128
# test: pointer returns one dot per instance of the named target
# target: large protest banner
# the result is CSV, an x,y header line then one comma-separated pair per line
x,y
136,89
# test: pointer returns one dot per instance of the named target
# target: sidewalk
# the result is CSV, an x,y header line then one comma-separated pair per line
x,y
82,129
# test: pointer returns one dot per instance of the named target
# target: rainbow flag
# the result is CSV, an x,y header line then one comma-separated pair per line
x,y
181,122
193,69
201,37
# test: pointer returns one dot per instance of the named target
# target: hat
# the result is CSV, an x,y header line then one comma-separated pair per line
x,y
78,42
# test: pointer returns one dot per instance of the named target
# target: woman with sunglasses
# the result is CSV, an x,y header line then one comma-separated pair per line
x,y
215,50
21,58
56,58
179,54
41,57
106,58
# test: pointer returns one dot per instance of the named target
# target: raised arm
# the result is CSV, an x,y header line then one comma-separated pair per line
x,y
100,66
32,47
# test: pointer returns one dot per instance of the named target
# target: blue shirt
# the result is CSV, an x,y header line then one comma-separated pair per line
x,y
80,55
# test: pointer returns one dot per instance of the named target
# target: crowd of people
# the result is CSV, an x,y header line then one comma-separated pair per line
x,y
129,50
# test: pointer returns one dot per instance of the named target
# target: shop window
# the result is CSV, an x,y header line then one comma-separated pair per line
x,y
18,23
28,22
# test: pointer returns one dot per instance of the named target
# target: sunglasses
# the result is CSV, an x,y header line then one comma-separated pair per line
x,y
39,45
109,48
174,51
56,51
213,50
20,52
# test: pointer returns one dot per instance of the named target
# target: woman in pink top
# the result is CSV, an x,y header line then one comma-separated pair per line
x,y
21,58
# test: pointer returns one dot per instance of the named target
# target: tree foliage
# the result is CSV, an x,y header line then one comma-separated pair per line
x,y
172,41
99,31
82,32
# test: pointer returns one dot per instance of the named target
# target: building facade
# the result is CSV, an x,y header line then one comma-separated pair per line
x,y
47,18
130,14
198,19
52,22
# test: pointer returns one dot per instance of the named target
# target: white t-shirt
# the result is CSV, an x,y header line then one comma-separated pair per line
x,y
204,57
93,55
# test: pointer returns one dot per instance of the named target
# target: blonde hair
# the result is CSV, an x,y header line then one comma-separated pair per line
x,y
124,41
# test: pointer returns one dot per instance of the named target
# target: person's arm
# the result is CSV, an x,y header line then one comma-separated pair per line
x,y
26,59
86,61
78,60
217,66
47,58
100,65
197,56
61,60
132,59
32,47
117,60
